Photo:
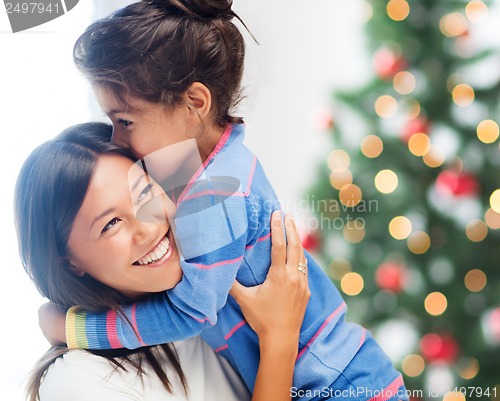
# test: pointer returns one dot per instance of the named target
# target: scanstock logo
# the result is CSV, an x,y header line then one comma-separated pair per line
x,y
28,14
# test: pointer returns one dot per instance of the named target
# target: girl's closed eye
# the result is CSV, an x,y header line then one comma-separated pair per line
x,y
110,224
124,123
145,192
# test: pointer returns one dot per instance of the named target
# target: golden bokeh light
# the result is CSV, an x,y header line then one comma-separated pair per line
x,y
435,303
487,131
476,11
476,230
352,284
404,82
350,195
339,179
386,106
419,144
495,200
454,396
339,268
386,181
492,219
475,280
413,365
452,25
435,157
338,160
398,10
400,227
463,95
419,242
412,108
372,146
354,232
468,368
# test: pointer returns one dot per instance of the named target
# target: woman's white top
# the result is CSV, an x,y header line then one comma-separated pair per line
x,y
81,376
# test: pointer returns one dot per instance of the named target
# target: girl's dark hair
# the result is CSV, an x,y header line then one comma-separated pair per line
x,y
49,192
155,50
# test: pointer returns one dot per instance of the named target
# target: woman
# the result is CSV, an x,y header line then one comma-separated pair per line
x,y
81,242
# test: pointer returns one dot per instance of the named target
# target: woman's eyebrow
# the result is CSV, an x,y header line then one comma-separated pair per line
x,y
106,212
136,183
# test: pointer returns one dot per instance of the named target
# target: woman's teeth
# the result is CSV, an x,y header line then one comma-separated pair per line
x,y
156,253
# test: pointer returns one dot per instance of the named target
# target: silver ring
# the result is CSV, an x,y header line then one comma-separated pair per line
x,y
303,265
302,269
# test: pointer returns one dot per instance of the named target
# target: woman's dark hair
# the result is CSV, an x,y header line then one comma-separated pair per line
x,y
49,192
155,50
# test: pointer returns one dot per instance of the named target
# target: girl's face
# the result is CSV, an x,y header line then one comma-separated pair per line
x,y
121,235
145,127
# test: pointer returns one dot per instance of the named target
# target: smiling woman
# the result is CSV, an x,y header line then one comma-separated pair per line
x,y
83,242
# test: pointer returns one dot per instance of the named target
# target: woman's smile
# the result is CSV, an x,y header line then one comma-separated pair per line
x,y
160,254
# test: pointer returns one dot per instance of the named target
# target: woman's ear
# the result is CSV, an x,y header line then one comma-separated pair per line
x,y
76,270
199,99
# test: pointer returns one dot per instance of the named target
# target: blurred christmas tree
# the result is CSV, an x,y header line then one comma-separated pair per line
x,y
408,200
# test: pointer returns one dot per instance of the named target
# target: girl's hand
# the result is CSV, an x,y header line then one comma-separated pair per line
x,y
275,309
52,320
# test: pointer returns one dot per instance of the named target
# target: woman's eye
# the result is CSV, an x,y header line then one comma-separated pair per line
x,y
145,192
110,224
124,123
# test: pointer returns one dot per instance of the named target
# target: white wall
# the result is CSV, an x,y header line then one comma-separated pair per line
x,y
306,50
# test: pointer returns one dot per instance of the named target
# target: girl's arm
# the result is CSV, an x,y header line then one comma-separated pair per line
x,y
275,310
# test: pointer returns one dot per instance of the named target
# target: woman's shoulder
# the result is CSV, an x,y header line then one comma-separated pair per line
x,y
81,376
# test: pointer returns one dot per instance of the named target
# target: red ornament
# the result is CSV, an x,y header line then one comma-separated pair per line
x,y
457,184
387,63
439,347
391,276
311,241
417,125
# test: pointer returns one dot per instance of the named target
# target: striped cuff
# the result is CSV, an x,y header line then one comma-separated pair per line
x,y
75,328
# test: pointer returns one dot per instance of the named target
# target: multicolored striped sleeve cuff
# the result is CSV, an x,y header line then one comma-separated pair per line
x,y
87,330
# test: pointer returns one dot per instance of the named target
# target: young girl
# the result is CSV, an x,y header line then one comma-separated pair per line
x,y
168,72
75,253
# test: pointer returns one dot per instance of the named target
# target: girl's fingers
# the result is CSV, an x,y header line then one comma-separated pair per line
x,y
278,248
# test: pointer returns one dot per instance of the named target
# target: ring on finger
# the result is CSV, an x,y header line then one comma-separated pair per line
x,y
303,265
301,269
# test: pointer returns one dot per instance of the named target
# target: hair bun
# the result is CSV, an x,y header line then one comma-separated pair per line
x,y
211,9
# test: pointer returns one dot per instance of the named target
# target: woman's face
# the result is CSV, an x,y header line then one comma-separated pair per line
x,y
121,235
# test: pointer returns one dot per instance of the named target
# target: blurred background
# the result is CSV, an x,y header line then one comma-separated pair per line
x,y
377,123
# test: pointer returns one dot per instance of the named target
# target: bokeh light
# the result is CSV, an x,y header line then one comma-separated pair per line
x,y
435,157
338,160
386,181
372,146
495,200
413,365
492,219
404,82
468,368
419,144
463,95
476,230
454,396
350,195
398,10
453,25
476,11
487,131
354,231
475,280
419,242
435,303
352,284
338,268
400,227
386,106
340,179
412,108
